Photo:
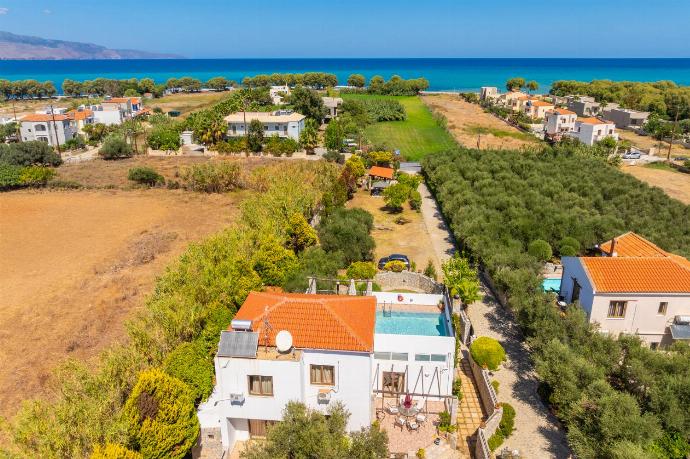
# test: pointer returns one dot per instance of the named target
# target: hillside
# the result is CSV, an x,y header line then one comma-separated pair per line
x,y
14,46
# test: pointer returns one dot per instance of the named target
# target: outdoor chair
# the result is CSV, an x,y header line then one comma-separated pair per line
x,y
421,418
392,409
400,422
413,425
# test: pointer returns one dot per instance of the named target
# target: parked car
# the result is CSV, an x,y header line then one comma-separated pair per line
x,y
632,155
681,158
394,257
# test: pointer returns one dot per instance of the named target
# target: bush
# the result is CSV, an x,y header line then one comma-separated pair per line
x,y
115,147
495,440
192,364
540,249
234,145
65,184
75,143
444,424
507,423
568,251
113,451
278,146
348,231
457,388
396,266
395,195
34,153
361,270
145,176
209,177
334,157
421,453
255,136
164,137
10,176
495,384
36,175
430,270
569,242
487,351
415,200
161,416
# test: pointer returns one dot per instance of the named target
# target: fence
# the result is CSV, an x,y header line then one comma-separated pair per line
x,y
408,280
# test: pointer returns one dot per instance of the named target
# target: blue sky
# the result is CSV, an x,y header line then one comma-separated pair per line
x,y
360,28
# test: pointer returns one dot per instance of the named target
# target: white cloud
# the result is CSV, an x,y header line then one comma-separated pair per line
x,y
4,11
47,12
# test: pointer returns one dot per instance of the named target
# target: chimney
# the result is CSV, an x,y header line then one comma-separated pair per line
x,y
612,252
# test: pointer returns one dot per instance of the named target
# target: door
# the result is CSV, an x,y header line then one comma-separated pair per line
x,y
257,427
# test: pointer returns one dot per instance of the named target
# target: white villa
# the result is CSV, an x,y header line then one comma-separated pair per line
x,y
537,108
592,130
48,126
283,123
321,349
559,121
278,92
635,288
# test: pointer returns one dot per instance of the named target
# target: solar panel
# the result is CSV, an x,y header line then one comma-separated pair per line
x,y
238,344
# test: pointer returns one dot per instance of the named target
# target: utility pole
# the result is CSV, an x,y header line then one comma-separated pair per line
x,y
673,134
16,121
57,139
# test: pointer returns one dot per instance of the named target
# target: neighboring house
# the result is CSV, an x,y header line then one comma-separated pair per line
x,y
559,121
635,287
584,106
591,130
625,118
283,123
536,109
488,93
277,94
382,176
509,99
80,118
332,104
52,128
323,349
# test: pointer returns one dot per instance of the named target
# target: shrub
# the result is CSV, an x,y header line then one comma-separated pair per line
x,y
457,388
334,157
115,147
421,453
430,270
192,364
278,147
444,424
29,154
164,137
10,176
395,195
145,176
568,251
396,266
402,220
507,423
495,440
686,163
487,351
361,270
569,242
255,136
495,384
114,451
75,143
36,175
540,249
65,184
348,231
213,177
300,233
234,145
161,416
415,200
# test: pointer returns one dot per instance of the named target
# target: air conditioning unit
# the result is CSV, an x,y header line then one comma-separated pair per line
x,y
324,396
237,398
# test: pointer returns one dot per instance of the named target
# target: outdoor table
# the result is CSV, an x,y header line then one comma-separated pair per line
x,y
410,412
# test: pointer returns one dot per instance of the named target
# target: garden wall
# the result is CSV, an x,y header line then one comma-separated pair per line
x,y
408,280
486,390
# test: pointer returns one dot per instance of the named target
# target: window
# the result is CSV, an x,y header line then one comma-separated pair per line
x,y
576,291
399,356
261,385
258,427
393,381
322,374
40,127
382,355
430,358
662,308
617,309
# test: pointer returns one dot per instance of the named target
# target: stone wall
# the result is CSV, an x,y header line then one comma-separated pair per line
x,y
486,390
209,445
408,280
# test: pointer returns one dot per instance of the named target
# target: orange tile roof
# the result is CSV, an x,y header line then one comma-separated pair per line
x,y
117,100
593,120
384,172
539,103
332,322
633,245
38,117
637,274
80,115
563,111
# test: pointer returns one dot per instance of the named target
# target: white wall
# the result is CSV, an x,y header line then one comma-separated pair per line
x,y
65,132
293,131
424,299
107,117
573,269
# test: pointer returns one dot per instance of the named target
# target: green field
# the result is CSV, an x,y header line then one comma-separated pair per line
x,y
416,137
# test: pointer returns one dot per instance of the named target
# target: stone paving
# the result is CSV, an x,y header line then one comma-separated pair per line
x,y
470,412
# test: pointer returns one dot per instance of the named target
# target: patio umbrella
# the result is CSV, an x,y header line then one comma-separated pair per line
x,y
408,401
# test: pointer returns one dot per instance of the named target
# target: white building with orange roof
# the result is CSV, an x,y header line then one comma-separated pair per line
x,y
635,287
323,349
50,127
80,118
591,130
559,121
537,109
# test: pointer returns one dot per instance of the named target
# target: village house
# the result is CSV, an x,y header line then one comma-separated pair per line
x,y
332,104
378,179
559,121
281,123
322,349
625,118
80,118
278,94
591,130
584,106
53,127
634,287
537,109
488,93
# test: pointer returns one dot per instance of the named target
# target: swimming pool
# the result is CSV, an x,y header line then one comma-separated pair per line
x,y
551,285
411,323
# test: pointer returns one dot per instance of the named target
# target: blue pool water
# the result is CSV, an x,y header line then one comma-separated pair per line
x,y
411,323
551,285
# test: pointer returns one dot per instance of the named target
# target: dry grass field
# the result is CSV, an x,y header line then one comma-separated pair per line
x,y
467,121
186,103
411,239
675,184
647,142
76,264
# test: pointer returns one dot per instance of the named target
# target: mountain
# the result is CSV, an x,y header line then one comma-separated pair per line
x,y
14,46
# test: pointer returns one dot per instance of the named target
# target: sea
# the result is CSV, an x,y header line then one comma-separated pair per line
x,y
444,74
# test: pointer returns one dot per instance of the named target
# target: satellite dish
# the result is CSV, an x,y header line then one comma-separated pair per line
x,y
283,341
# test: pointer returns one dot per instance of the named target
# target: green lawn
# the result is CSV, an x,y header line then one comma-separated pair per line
x,y
416,137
